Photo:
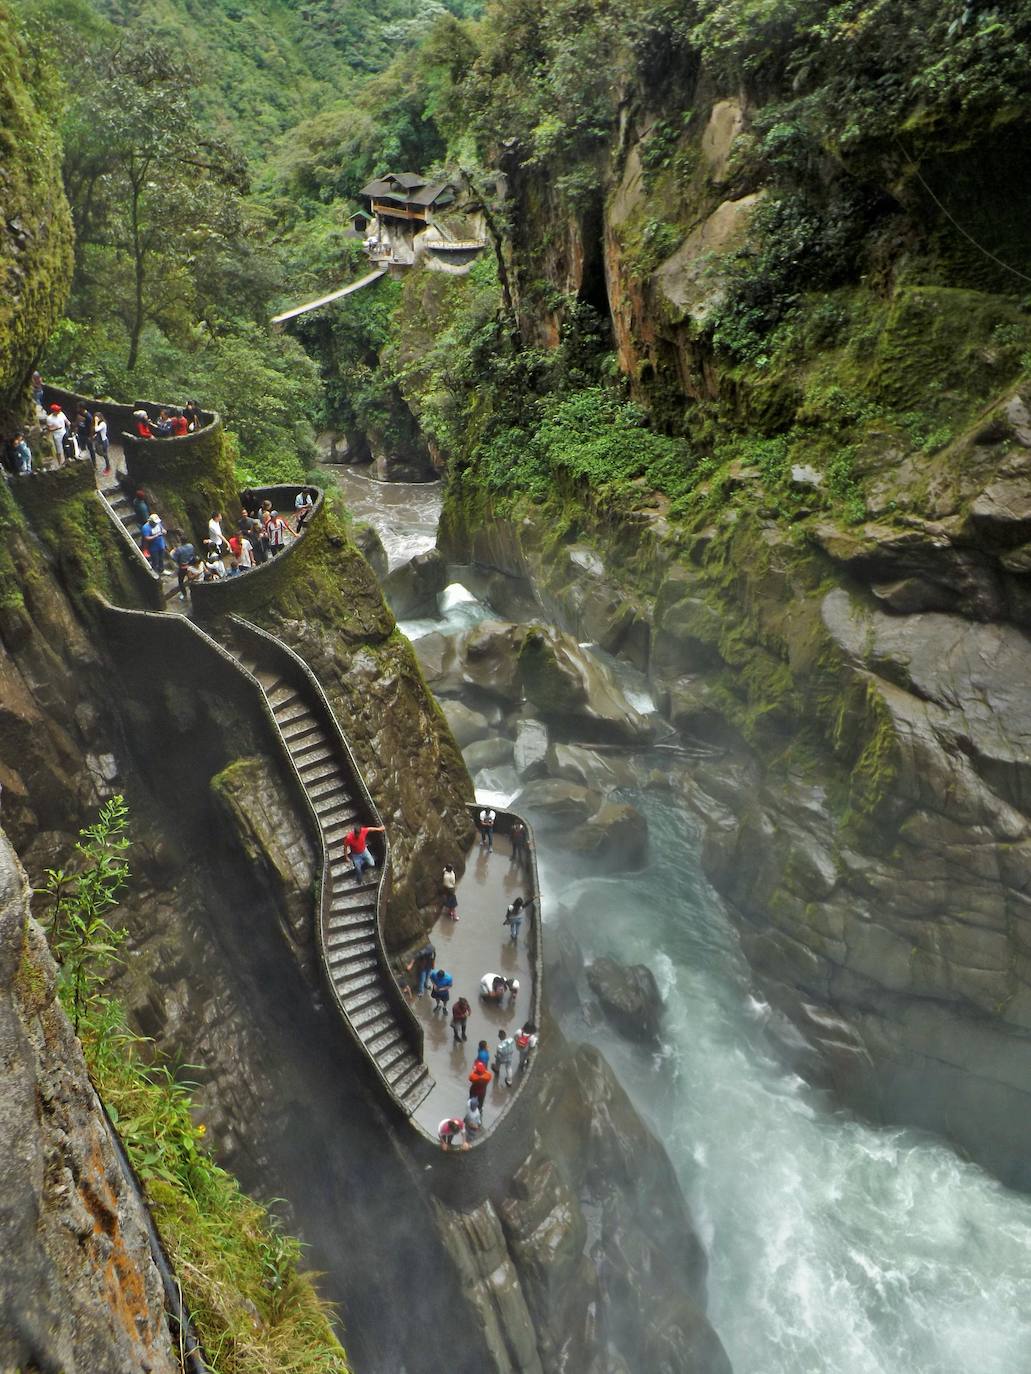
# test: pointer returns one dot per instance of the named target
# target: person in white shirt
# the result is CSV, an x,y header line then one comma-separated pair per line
x,y
57,428
487,819
216,540
214,568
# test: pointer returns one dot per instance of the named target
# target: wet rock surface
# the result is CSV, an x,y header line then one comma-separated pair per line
x,y
629,997
78,1288
862,774
412,589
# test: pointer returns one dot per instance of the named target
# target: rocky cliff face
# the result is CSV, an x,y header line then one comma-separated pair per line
x,y
78,1289
866,812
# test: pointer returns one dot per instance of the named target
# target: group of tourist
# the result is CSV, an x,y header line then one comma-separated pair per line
x,y
511,1052
84,434
172,422
70,440
261,533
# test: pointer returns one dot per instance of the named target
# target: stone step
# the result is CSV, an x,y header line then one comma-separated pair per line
x,y
311,747
388,1059
281,693
291,712
343,868
338,818
378,1027
352,918
365,1010
319,770
384,1039
346,963
297,730
354,940
405,1065
351,985
415,1087
326,789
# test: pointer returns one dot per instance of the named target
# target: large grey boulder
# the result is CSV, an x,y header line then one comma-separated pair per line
x,y
466,725
629,997
531,750
616,836
561,804
412,589
487,753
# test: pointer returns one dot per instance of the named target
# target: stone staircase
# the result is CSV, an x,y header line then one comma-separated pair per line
x,y
122,507
352,949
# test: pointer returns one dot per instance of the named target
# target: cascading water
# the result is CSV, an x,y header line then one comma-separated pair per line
x,y
834,1247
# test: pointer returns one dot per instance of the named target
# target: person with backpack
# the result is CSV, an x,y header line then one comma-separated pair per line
x,y
460,1014
493,988
441,983
513,917
503,1056
487,819
526,1043
183,556
479,1081
422,963
473,1119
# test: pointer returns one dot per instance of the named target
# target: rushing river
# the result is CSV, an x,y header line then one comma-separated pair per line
x,y
834,1247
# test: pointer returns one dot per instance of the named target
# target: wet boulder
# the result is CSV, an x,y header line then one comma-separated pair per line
x,y
616,836
368,540
629,997
531,750
487,753
412,589
557,804
566,685
466,724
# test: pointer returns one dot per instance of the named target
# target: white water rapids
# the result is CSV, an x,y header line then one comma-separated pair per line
x,y
834,1247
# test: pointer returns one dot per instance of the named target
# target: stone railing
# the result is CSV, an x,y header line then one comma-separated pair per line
x,y
258,585
143,574
119,416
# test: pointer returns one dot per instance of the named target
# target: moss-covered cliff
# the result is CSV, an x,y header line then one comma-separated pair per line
x,y
36,230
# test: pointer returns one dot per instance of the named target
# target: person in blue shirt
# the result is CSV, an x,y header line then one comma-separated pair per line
x,y
441,983
22,455
154,542
483,1053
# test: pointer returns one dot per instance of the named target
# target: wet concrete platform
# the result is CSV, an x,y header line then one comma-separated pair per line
x,y
475,944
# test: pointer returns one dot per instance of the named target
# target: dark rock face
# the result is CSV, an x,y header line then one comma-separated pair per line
x,y
629,997
413,588
586,1259
78,1289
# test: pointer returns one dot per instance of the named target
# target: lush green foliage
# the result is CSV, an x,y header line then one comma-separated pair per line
x,y
254,1310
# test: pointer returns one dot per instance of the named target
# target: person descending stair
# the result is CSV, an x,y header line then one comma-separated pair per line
x,y
356,846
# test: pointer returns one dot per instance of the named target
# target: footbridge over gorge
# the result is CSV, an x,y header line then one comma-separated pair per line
x,y
407,1057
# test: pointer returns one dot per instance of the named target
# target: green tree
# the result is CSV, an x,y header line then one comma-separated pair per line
x,y
149,190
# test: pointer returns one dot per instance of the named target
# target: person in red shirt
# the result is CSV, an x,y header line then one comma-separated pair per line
x,y
356,848
479,1081
180,425
143,428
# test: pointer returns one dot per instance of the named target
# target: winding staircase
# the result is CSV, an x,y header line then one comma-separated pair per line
x,y
349,916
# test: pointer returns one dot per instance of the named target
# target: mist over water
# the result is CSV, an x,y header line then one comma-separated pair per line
x,y
834,1247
